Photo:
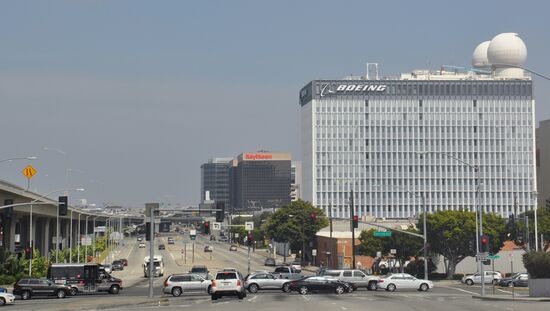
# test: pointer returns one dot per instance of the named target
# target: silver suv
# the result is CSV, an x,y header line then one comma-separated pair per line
x,y
257,281
228,283
176,284
356,277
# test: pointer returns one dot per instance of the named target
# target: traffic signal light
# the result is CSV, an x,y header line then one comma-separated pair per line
x,y
28,253
484,241
148,231
8,210
220,213
63,203
312,218
249,239
206,227
355,221
471,247
512,218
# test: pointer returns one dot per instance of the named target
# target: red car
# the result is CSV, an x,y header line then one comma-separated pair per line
x,y
124,262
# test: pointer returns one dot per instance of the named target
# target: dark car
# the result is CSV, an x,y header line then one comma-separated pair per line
x,y
162,247
318,284
117,265
269,262
517,280
27,288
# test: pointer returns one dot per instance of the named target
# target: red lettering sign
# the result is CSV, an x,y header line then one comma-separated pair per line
x,y
258,156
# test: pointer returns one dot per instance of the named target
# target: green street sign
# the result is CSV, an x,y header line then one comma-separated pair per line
x,y
193,237
494,257
382,233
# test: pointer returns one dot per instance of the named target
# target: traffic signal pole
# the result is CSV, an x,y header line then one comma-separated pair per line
x,y
151,250
352,212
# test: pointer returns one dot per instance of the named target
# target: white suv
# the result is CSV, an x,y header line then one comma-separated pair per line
x,y
228,283
490,277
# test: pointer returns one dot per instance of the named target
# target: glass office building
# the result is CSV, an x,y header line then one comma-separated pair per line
x,y
215,179
441,135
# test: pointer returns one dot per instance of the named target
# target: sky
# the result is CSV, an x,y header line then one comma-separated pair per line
x,y
131,97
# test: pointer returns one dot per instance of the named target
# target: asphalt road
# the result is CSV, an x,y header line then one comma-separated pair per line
x,y
445,296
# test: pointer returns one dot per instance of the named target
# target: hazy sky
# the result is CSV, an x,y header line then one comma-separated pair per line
x,y
139,93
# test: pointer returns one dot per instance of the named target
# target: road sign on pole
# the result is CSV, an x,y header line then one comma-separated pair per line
x,y
382,233
249,225
217,225
29,172
393,251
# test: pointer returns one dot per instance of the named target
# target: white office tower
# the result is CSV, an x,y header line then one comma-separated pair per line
x,y
394,140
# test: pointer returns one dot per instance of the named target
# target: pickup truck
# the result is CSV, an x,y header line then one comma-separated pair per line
x,y
287,272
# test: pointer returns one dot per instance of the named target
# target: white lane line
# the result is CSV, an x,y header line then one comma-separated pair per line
x,y
344,308
131,250
460,289
306,298
253,298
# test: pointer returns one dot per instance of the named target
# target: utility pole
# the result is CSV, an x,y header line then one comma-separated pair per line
x,y
352,212
151,207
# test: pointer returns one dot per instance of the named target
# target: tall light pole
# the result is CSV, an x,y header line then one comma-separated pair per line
x,y
86,246
534,194
79,237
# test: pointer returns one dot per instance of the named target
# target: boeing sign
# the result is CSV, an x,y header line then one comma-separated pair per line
x,y
352,88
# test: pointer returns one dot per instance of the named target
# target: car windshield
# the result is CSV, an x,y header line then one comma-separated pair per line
x,y
226,276
199,270
117,262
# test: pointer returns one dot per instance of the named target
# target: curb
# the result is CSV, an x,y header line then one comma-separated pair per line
x,y
508,298
153,301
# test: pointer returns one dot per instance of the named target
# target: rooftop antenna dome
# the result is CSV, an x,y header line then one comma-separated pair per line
x,y
506,53
479,58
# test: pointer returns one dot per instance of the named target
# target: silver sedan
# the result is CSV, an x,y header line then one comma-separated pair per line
x,y
260,281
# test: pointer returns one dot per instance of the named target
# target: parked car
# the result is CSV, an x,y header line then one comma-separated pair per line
x,y
233,248
27,288
297,265
318,284
200,270
176,284
223,239
227,283
269,262
162,247
394,281
6,298
357,277
287,272
171,240
117,265
491,277
208,248
141,245
124,262
517,280
139,239
260,281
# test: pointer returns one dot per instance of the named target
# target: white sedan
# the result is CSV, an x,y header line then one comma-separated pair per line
x,y
6,298
395,281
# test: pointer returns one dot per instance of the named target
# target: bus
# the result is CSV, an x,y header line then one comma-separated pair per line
x,y
84,278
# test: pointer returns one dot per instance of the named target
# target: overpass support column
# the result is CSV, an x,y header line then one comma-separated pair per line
x,y
46,236
13,223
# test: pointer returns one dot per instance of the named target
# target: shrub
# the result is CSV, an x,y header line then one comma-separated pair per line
x,y
537,264
7,279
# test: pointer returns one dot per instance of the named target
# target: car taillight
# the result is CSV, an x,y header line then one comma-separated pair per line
x,y
380,281
213,283
238,283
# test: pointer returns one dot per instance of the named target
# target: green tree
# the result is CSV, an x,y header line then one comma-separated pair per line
x,y
517,228
451,232
370,244
293,224
406,245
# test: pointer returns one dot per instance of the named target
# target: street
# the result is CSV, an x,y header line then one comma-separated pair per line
x,y
446,295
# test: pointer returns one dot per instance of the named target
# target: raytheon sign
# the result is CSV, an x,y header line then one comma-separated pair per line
x,y
352,88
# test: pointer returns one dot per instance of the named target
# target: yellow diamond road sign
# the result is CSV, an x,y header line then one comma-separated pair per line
x,y
29,171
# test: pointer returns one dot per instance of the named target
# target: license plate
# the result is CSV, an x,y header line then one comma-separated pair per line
x,y
226,283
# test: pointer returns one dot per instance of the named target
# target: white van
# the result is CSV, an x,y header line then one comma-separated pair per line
x,y
158,263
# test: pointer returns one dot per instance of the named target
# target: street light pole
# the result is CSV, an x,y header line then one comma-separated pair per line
x,y
18,158
86,246
425,238
79,238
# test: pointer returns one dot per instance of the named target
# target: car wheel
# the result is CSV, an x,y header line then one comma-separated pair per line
x,y
286,288
240,296
253,288
391,287
339,289
469,282
176,291
209,290
73,291
114,289
2,301
350,289
26,295
495,282
214,297
61,294
371,286
424,287
303,290
510,284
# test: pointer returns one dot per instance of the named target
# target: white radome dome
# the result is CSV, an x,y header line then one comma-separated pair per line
x,y
479,58
507,48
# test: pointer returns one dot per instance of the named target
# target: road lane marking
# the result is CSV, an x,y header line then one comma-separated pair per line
x,y
306,298
253,298
460,289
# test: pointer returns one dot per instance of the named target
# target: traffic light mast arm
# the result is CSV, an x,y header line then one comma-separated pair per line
x,y
392,229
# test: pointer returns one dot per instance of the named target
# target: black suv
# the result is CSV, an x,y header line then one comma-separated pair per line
x,y
26,288
117,265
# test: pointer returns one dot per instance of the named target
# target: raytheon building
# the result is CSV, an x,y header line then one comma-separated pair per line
x,y
457,137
